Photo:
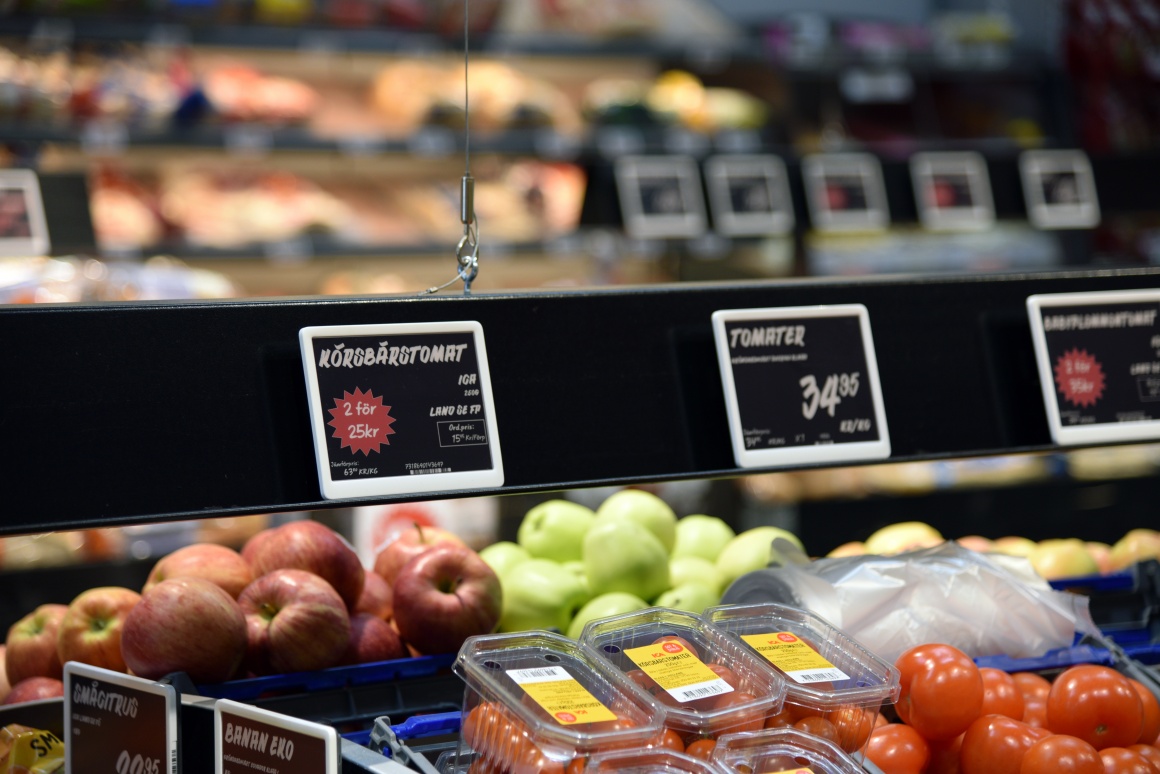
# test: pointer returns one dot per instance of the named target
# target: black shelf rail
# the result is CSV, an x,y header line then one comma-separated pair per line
x,y
131,413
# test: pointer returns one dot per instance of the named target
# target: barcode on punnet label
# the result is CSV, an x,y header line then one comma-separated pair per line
x,y
538,675
818,675
713,687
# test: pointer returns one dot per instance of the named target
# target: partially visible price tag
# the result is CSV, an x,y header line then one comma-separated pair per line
x,y
118,723
561,695
845,192
1059,189
660,197
248,739
801,385
1099,364
952,191
749,195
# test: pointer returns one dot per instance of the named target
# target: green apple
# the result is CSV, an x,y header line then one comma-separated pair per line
x,y
644,508
621,555
540,594
691,597
503,556
703,536
694,569
603,606
751,550
576,567
555,530
1063,558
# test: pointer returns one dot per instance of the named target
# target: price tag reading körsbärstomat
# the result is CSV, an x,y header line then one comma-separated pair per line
x,y
1099,364
249,740
399,409
801,385
794,656
561,695
678,671
117,723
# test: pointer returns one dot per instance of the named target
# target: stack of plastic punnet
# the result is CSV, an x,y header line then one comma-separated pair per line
x,y
653,761
703,683
782,750
540,703
836,687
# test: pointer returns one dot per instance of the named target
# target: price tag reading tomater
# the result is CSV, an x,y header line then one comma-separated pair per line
x,y
117,723
399,409
795,657
674,668
801,385
561,695
1099,364
248,739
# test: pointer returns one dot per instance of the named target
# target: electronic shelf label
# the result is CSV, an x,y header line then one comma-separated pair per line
x,y
660,197
401,408
952,191
1059,189
249,739
845,192
801,385
118,723
23,228
1099,364
749,195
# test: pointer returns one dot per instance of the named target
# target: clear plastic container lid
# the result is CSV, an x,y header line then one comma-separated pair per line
x,y
537,701
782,750
702,681
655,761
824,667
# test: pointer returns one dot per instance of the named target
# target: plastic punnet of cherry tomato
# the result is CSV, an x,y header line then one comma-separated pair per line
x,y
957,718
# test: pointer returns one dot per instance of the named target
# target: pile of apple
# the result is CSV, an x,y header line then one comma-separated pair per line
x,y
296,598
570,564
1052,559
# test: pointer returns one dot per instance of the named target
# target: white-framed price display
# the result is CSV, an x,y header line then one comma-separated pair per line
x,y
249,739
401,409
1099,364
117,722
23,228
845,192
801,385
749,195
952,191
1059,189
660,197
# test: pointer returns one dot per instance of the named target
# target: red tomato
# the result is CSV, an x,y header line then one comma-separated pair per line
x,y
1001,696
944,756
1035,713
701,749
941,691
1151,707
671,740
853,725
817,726
639,677
995,744
897,748
1097,704
1031,685
577,766
1121,760
1061,754
1149,752
748,720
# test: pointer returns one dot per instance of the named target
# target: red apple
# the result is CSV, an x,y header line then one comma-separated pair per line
x,y
34,689
5,686
31,645
189,625
372,639
376,598
310,546
217,564
91,629
445,595
295,622
407,545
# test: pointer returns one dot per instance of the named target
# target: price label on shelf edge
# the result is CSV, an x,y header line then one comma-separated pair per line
x,y
401,409
249,739
1098,356
118,723
801,385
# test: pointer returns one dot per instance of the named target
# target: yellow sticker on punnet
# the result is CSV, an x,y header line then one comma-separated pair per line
x,y
561,695
678,671
793,771
794,656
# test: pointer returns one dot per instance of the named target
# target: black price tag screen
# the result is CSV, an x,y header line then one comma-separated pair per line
x,y
802,384
1099,363
118,723
399,409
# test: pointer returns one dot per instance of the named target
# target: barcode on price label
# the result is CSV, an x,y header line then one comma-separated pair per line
x,y
538,675
692,692
830,675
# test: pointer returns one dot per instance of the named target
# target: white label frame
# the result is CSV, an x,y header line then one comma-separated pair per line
x,y
1084,212
638,223
20,193
776,221
873,217
979,215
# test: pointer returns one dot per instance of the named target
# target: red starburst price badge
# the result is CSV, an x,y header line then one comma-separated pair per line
x,y
401,409
1099,364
